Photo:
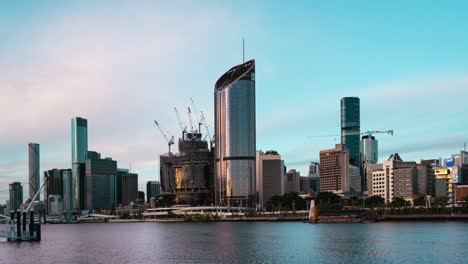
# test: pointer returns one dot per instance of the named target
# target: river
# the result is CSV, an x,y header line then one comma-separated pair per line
x,y
241,242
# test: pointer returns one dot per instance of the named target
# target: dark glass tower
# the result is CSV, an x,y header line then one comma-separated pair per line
x,y
235,166
79,138
350,128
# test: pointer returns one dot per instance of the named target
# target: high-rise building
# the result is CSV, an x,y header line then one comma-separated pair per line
x,y
118,183
314,175
67,190
292,181
101,183
16,196
79,139
334,168
235,136
354,175
305,186
270,176
129,188
426,179
350,128
394,178
369,149
53,184
152,190
34,170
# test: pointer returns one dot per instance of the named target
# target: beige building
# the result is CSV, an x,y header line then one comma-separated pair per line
x,y
334,169
393,178
270,175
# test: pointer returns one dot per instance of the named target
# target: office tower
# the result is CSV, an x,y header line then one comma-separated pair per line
x,y
101,183
292,181
369,149
314,175
394,178
34,172
118,183
79,138
350,128
67,190
426,179
354,175
141,197
16,195
305,184
55,184
235,136
129,188
270,176
334,168
152,190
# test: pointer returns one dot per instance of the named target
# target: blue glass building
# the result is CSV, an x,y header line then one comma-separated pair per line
x,y
79,139
235,132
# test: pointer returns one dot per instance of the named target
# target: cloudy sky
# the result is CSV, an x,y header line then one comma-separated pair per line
x,y
124,64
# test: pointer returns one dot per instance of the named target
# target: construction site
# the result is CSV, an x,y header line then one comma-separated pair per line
x,y
187,176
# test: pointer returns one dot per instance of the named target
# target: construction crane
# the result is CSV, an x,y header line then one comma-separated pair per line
x,y
164,133
205,123
183,127
196,115
189,113
366,133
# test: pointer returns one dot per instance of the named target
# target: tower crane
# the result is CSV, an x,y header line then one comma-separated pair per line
x,y
199,121
183,127
366,133
189,113
205,123
164,133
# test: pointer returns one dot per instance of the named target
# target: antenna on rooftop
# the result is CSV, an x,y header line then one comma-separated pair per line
x,y
243,51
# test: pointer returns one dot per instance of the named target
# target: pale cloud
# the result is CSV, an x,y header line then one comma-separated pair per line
x,y
120,70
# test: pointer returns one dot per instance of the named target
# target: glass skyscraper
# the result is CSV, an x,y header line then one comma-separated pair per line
x,y
350,128
235,132
79,138
34,170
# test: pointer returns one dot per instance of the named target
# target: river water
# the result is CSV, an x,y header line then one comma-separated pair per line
x,y
258,242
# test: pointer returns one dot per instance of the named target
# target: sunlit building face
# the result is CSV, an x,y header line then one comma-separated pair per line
x,y
235,135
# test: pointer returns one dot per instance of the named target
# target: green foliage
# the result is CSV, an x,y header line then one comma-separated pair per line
x,y
421,201
251,213
286,202
328,201
398,202
374,201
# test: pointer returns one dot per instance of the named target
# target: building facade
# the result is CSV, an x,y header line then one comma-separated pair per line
x,y
314,175
235,136
351,127
16,196
100,183
334,168
292,181
188,175
355,184
34,170
153,189
270,175
55,184
79,146
129,188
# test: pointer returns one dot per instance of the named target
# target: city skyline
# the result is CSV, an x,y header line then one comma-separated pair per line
x,y
65,60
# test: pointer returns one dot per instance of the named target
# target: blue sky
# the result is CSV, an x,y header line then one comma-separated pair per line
x,y
123,65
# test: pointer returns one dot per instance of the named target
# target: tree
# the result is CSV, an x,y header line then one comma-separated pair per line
x,y
374,201
421,201
398,202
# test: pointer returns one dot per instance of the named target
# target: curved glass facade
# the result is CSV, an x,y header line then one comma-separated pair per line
x,y
235,132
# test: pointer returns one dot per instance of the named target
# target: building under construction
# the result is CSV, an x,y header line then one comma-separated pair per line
x,y
188,175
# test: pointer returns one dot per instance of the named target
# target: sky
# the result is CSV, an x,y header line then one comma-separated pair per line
x,y
125,64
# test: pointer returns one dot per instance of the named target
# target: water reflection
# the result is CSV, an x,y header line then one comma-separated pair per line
x,y
244,243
